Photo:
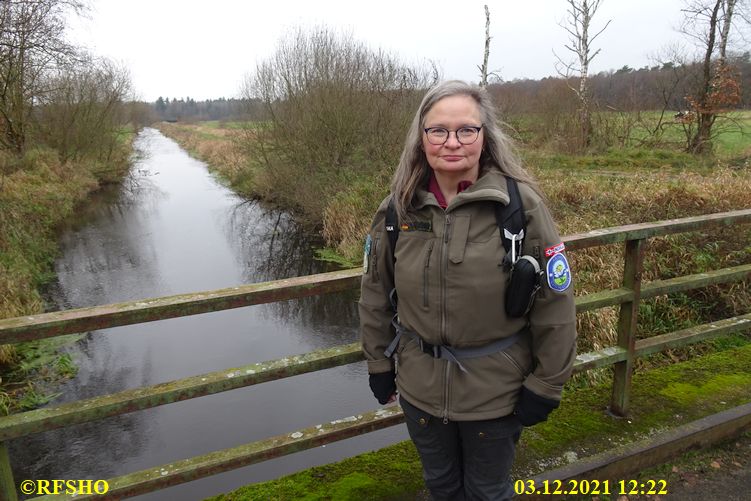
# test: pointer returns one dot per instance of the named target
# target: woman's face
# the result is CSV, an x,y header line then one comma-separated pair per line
x,y
453,158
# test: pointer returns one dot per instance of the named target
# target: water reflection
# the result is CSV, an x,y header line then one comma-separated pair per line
x,y
106,444
270,244
274,247
172,228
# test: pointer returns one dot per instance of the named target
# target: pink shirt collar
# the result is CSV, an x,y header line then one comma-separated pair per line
x,y
436,190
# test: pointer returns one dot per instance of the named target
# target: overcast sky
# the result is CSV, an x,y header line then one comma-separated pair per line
x,y
204,48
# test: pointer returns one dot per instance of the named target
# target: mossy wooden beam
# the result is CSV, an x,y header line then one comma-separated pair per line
x,y
77,320
696,281
660,228
627,322
186,470
601,358
39,420
692,335
626,461
656,288
47,418
182,471
15,330
602,299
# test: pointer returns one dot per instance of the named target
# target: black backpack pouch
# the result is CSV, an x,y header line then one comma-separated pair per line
x,y
524,283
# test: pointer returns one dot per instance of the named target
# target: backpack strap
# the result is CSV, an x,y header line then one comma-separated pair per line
x,y
511,222
392,225
392,230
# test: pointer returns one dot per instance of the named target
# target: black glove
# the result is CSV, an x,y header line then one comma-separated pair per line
x,y
383,385
532,408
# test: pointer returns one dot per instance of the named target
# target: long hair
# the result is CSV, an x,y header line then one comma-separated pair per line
x,y
498,151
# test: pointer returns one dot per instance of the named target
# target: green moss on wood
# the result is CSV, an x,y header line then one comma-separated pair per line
x,y
384,474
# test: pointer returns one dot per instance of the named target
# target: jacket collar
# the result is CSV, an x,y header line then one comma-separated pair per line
x,y
491,186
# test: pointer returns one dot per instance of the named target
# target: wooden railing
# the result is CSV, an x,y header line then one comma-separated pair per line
x,y
622,355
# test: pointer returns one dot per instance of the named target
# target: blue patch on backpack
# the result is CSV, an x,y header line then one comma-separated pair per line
x,y
559,273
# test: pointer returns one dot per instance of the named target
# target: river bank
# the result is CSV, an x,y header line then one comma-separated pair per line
x,y
37,194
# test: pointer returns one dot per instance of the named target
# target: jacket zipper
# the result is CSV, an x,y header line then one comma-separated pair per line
x,y
445,262
425,274
445,258
446,394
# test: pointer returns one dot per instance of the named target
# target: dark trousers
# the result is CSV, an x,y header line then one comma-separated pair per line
x,y
464,459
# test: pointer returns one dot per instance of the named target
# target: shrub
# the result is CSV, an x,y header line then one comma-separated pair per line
x,y
338,111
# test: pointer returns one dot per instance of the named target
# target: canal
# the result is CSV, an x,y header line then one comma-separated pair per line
x,y
173,228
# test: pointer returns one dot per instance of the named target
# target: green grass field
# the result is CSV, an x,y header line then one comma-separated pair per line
x,y
731,132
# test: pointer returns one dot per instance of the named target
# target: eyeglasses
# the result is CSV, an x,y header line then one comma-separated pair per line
x,y
465,135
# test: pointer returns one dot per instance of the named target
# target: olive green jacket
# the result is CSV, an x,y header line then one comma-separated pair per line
x,y
451,287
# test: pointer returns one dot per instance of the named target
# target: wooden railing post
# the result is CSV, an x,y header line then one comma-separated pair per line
x,y
627,320
7,485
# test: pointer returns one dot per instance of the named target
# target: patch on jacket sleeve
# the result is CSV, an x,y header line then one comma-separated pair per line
x,y
559,273
555,249
366,255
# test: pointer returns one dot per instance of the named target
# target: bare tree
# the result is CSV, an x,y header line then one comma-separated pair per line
x,y
484,67
32,43
578,24
709,23
729,7
83,111
484,74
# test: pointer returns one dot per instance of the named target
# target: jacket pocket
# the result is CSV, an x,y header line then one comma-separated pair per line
x,y
514,363
458,241
519,355
414,415
426,277
419,376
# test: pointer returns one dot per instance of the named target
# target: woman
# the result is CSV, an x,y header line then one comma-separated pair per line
x,y
464,414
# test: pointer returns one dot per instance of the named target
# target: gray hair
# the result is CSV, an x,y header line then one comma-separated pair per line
x,y
498,151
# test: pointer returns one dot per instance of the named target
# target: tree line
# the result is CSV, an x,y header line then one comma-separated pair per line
x,y
545,109
188,109
661,86
576,110
540,110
